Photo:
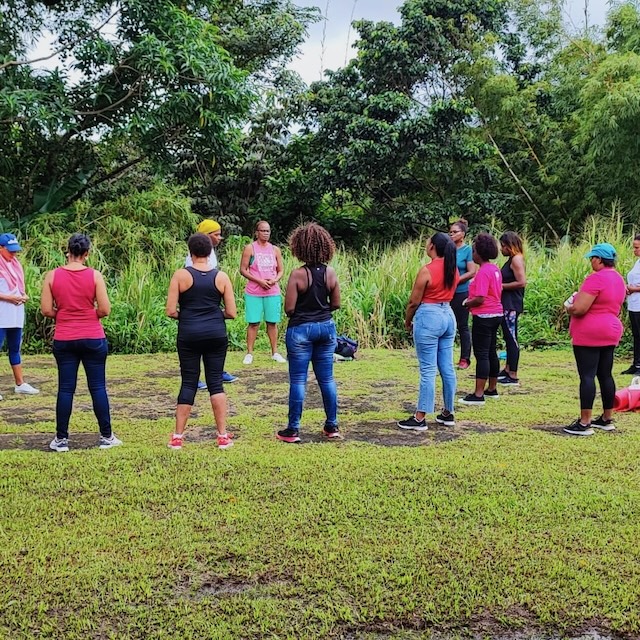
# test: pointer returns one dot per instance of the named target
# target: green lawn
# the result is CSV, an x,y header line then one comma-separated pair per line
x,y
499,524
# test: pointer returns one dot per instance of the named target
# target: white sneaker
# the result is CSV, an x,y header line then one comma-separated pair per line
x,y
1,398
248,359
59,444
107,443
27,389
278,358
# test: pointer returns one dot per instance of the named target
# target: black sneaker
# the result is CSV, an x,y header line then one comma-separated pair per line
x,y
632,370
447,421
576,428
604,425
508,380
491,394
473,399
288,435
413,425
503,374
333,433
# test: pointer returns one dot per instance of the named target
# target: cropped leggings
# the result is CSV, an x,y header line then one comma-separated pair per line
x,y
212,352
592,363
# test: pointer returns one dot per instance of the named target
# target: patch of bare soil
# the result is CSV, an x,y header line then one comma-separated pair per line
x,y
40,441
213,586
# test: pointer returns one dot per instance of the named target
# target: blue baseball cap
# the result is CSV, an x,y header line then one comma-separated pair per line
x,y
10,242
603,250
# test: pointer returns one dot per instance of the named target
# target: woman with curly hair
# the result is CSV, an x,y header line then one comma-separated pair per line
x,y
514,281
312,294
485,292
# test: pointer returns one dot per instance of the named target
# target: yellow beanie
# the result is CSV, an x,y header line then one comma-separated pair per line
x,y
208,226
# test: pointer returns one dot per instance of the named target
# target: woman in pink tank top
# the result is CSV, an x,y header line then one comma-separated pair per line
x,y
261,264
75,296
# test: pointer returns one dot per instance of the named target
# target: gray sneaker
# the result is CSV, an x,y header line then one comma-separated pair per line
x,y
59,444
107,443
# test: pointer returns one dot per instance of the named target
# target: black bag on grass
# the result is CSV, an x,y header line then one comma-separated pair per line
x,y
346,347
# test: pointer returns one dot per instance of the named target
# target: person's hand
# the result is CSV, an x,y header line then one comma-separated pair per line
x,y
264,284
408,325
270,282
18,299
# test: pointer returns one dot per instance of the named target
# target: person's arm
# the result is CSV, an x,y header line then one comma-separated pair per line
x,y
469,273
480,289
223,285
291,292
47,307
517,266
103,306
581,304
334,289
172,296
16,298
421,283
279,267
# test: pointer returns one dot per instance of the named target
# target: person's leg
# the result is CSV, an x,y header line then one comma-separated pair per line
x,y
272,314
189,358
253,312
462,324
213,357
445,361
252,334
606,381
510,332
587,361
481,337
428,326
494,361
94,359
299,351
68,361
14,342
272,332
634,318
324,345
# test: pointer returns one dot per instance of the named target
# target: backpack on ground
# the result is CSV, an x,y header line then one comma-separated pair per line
x,y
346,347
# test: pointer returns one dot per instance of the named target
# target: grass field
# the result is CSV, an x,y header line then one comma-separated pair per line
x,y
499,525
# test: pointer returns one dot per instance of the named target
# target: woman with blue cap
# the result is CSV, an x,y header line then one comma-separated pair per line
x,y
12,300
596,330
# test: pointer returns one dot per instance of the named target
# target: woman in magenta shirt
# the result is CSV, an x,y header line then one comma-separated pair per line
x,y
485,292
596,330
76,297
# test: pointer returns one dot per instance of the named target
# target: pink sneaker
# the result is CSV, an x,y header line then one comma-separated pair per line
x,y
224,441
175,442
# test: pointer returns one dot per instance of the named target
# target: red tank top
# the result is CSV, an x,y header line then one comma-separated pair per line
x,y
74,293
435,290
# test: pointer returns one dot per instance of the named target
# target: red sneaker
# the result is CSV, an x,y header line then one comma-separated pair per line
x,y
224,440
463,364
175,442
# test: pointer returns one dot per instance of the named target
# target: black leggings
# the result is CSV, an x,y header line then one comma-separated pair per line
x,y
634,318
462,322
213,352
483,333
595,362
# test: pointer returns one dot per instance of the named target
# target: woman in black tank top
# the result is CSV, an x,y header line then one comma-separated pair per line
x,y
194,299
513,283
313,293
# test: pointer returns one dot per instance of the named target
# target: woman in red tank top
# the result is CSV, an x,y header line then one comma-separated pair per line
x,y
76,297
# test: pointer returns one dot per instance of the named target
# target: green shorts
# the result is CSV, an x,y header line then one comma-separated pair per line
x,y
259,308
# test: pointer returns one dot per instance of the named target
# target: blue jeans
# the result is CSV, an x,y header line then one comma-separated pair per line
x,y
434,329
14,342
313,342
93,355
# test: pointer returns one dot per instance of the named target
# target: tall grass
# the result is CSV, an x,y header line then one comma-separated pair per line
x,y
375,284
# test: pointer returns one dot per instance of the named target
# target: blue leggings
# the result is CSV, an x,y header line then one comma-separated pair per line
x,y
14,340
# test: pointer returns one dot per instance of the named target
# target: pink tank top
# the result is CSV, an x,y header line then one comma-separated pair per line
x,y
263,266
74,293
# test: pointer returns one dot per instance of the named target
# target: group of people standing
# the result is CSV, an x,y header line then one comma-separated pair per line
x,y
459,280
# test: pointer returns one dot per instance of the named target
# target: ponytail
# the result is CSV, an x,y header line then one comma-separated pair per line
x,y
445,248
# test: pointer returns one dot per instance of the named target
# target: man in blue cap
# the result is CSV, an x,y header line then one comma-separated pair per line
x,y
12,299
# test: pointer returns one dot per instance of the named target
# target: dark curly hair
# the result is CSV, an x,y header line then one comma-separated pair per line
x,y
312,244
79,244
200,245
485,246
512,242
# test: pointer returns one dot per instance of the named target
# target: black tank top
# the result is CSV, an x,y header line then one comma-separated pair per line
x,y
313,304
200,313
512,300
